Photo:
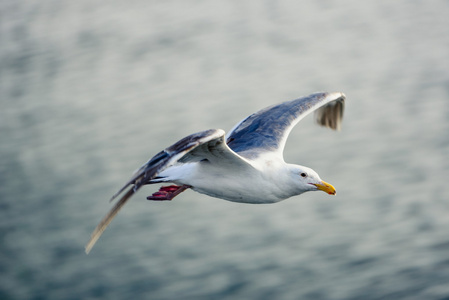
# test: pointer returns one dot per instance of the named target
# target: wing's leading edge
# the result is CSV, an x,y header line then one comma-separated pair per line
x,y
267,130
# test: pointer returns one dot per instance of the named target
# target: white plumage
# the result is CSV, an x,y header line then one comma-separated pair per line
x,y
246,165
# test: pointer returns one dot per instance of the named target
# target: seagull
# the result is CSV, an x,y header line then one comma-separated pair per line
x,y
246,165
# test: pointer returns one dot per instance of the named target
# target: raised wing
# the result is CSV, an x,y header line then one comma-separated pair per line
x,y
206,145
267,130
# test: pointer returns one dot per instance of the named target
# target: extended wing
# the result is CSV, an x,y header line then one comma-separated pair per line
x,y
267,130
206,145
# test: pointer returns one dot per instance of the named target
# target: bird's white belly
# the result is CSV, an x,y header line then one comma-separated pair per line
x,y
238,186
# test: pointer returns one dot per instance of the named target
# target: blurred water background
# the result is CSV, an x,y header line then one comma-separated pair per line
x,y
91,89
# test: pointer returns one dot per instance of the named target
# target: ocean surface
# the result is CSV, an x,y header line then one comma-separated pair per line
x,y
89,90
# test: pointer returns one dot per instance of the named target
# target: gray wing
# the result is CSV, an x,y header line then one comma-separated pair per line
x,y
267,130
206,145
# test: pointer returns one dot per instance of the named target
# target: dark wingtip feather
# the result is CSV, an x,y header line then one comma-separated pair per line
x,y
331,114
107,219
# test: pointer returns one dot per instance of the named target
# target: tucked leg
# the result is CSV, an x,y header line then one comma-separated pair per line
x,y
168,192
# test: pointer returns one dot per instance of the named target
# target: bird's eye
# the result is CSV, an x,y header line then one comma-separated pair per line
x,y
304,174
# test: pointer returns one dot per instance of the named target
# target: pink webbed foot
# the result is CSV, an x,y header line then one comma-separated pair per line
x,y
168,192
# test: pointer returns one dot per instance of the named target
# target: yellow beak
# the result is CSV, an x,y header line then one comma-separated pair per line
x,y
326,187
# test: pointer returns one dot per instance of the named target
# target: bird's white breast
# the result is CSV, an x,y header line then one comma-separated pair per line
x,y
247,185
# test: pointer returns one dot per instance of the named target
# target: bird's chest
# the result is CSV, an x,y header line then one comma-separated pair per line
x,y
247,186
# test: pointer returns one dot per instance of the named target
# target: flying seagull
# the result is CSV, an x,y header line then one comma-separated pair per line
x,y
246,165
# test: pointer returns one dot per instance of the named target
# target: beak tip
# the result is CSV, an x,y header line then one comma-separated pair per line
x,y
326,187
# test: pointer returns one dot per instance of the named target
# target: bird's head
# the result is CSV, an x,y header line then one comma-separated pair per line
x,y
307,179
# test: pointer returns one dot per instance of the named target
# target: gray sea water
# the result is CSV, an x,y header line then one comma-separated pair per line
x,y
91,89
